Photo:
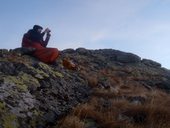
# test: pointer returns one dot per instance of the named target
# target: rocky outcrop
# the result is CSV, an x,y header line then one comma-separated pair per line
x,y
151,63
35,95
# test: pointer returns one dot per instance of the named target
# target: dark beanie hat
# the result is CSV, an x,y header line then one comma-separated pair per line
x,y
36,27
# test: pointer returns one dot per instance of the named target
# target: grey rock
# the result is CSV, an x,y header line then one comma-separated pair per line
x,y
3,52
50,117
23,50
151,63
128,58
83,51
68,51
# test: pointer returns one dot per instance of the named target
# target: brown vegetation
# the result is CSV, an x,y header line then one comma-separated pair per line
x,y
123,104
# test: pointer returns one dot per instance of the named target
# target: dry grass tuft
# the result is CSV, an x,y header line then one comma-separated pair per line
x,y
120,105
92,80
159,117
136,114
85,111
147,115
106,93
71,122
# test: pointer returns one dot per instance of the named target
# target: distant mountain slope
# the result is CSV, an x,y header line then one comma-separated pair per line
x,y
36,95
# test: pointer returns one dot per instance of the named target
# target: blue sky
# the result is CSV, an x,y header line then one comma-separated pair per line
x,y
141,27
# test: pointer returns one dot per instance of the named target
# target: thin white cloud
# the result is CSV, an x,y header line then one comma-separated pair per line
x,y
98,36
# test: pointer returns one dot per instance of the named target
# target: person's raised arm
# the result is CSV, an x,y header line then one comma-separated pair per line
x,y
45,42
47,39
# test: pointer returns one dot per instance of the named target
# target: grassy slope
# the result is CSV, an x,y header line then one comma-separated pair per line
x,y
120,103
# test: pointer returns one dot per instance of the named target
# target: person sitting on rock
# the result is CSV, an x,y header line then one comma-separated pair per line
x,y
34,38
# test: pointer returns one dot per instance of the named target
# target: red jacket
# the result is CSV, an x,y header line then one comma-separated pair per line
x,y
46,55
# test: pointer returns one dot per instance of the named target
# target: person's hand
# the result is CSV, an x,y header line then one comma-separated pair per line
x,y
47,30
48,34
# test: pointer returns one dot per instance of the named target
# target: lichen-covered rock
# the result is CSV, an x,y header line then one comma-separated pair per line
x,y
35,94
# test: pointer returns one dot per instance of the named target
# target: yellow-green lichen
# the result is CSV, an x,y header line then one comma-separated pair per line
x,y
38,73
23,81
35,118
2,106
28,79
58,74
17,81
45,67
10,121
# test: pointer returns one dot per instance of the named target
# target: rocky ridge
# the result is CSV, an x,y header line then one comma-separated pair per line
x,y
35,95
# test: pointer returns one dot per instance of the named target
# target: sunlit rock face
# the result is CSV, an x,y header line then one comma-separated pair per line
x,y
35,94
